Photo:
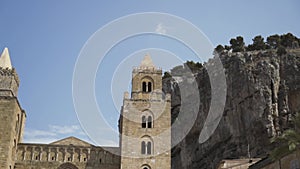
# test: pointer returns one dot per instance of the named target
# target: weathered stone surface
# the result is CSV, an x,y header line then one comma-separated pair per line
x,y
263,93
145,120
77,154
71,141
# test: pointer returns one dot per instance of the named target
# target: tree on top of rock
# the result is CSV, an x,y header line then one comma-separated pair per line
x,y
273,41
238,44
219,49
289,40
258,44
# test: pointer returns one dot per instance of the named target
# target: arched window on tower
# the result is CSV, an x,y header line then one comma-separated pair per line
x,y
144,123
147,84
144,86
149,87
149,122
146,167
148,148
143,148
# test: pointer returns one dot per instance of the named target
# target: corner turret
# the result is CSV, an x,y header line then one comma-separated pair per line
x,y
9,80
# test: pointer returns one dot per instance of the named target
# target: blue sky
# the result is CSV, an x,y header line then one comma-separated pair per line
x,y
45,38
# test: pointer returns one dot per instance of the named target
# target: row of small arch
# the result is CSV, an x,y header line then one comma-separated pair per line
x,y
72,166
24,155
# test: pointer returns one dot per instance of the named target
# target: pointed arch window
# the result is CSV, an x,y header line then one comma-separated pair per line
x,y
146,147
147,121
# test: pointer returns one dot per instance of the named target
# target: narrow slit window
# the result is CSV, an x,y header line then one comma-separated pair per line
x,y
143,148
149,122
149,147
144,122
144,86
149,86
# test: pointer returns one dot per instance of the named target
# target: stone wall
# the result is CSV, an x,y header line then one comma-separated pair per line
x,y
10,132
291,160
51,156
136,132
9,82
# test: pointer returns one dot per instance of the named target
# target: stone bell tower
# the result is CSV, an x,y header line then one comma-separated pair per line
x,y
145,121
12,117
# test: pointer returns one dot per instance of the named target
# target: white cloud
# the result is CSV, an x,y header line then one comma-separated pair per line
x,y
109,143
57,132
161,29
53,133
39,136
38,133
40,140
65,129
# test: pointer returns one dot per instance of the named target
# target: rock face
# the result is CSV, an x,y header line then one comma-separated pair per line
x,y
263,93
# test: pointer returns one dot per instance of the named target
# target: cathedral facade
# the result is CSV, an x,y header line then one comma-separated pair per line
x,y
144,125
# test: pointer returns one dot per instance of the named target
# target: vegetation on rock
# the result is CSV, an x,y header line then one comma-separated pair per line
x,y
273,42
289,141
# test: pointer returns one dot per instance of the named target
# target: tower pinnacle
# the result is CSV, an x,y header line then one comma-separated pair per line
x,y
5,59
147,61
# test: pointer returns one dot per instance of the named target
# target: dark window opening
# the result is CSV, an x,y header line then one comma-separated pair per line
x,y
149,87
143,147
144,87
143,122
149,147
149,122
100,160
52,158
84,159
69,159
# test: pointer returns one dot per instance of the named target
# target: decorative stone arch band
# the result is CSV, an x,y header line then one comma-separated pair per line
x,y
67,166
97,47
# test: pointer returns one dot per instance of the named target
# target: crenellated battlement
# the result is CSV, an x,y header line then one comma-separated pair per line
x,y
9,79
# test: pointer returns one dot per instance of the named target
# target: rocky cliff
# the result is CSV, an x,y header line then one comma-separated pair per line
x,y
263,93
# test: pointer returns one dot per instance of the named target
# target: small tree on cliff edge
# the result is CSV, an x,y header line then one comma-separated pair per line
x,y
258,44
238,44
273,41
